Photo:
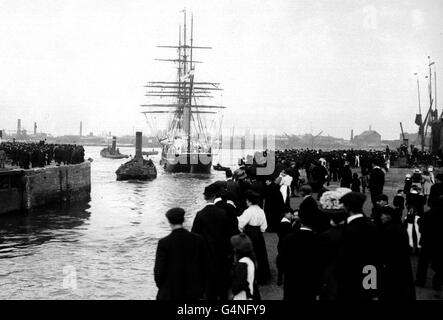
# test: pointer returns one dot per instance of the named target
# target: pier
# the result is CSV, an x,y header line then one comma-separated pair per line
x,y
24,189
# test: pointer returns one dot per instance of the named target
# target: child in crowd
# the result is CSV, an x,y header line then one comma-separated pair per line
x,y
364,183
415,202
355,184
399,204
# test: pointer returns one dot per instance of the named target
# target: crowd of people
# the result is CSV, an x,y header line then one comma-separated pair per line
x,y
36,155
328,247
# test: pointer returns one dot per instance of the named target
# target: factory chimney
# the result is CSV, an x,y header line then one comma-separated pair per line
x,y
19,126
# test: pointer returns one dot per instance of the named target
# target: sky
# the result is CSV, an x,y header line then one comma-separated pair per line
x,y
285,65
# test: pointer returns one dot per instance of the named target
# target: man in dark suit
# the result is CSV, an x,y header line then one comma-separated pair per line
x,y
358,268
233,188
180,262
298,259
284,229
319,175
398,280
346,177
223,202
309,206
431,225
436,190
376,182
330,245
274,204
212,224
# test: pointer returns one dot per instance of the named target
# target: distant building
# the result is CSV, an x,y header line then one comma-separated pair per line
x,y
368,137
412,138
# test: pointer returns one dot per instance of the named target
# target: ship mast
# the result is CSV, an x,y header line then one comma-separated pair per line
x,y
191,84
185,89
430,115
418,93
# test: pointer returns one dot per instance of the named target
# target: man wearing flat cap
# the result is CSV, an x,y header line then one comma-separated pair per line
x,y
360,252
212,224
180,262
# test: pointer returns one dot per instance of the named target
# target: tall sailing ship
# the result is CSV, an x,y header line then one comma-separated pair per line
x,y
191,131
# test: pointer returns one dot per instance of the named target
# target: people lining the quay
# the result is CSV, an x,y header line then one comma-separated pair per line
x,y
335,252
28,155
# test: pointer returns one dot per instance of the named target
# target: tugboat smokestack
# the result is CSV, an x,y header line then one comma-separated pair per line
x,y
138,144
114,143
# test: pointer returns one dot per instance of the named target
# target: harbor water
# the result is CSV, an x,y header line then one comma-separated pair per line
x,y
103,248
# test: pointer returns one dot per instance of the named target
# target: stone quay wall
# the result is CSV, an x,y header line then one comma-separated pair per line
x,y
49,185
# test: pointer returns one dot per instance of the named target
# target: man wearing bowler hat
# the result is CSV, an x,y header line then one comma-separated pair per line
x,y
180,262
213,225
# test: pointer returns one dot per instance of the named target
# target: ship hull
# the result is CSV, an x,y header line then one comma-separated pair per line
x,y
137,169
188,163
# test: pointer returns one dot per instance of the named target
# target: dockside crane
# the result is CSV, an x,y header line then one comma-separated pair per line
x,y
432,113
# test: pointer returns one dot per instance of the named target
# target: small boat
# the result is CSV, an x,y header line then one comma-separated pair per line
x,y
150,153
108,153
137,168
219,167
113,152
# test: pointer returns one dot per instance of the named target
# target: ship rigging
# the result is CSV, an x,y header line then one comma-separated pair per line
x,y
187,141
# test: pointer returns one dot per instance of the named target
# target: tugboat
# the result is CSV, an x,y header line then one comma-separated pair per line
x,y
112,152
189,133
137,168
150,153
219,167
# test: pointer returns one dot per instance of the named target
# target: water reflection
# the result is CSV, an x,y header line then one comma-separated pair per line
x,y
20,232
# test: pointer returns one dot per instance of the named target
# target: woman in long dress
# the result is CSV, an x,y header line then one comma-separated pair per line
x,y
253,223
